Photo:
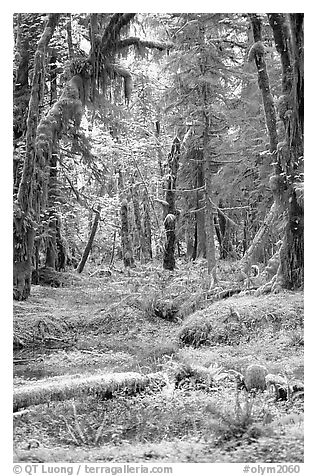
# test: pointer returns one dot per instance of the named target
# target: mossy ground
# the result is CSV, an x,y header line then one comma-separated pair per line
x,y
109,324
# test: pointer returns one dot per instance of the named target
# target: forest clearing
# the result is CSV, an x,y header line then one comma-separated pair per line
x,y
103,326
158,234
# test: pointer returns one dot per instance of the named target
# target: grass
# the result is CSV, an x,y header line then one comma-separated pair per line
x,y
101,326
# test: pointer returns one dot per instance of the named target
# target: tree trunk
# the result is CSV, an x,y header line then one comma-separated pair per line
x,y
209,213
290,155
257,53
113,249
200,214
52,216
21,91
126,243
53,219
159,145
259,238
144,255
127,252
170,218
90,241
53,77
92,234
23,218
209,167
69,38
147,226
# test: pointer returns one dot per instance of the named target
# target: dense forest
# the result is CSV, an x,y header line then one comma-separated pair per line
x,y
158,236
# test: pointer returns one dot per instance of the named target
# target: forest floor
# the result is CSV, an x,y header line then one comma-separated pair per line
x,y
149,321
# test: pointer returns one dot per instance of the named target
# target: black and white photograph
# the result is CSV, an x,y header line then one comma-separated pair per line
x,y
158,241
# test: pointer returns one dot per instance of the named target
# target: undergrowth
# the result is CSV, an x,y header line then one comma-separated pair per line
x,y
150,320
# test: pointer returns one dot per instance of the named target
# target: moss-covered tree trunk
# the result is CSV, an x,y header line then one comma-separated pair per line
x,y
21,97
55,245
51,239
126,242
21,90
257,54
52,246
288,33
144,254
25,213
170,217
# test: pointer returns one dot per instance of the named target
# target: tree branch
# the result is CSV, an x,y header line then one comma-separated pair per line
x,y
116,23
133,40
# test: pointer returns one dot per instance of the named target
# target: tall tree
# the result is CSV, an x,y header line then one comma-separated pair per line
x,y
288,33
170,210
257,53
23,220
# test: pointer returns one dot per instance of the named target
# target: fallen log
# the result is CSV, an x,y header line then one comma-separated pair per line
x,y
70,386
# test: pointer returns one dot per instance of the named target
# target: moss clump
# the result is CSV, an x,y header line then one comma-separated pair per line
x,y
237,319
255,377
